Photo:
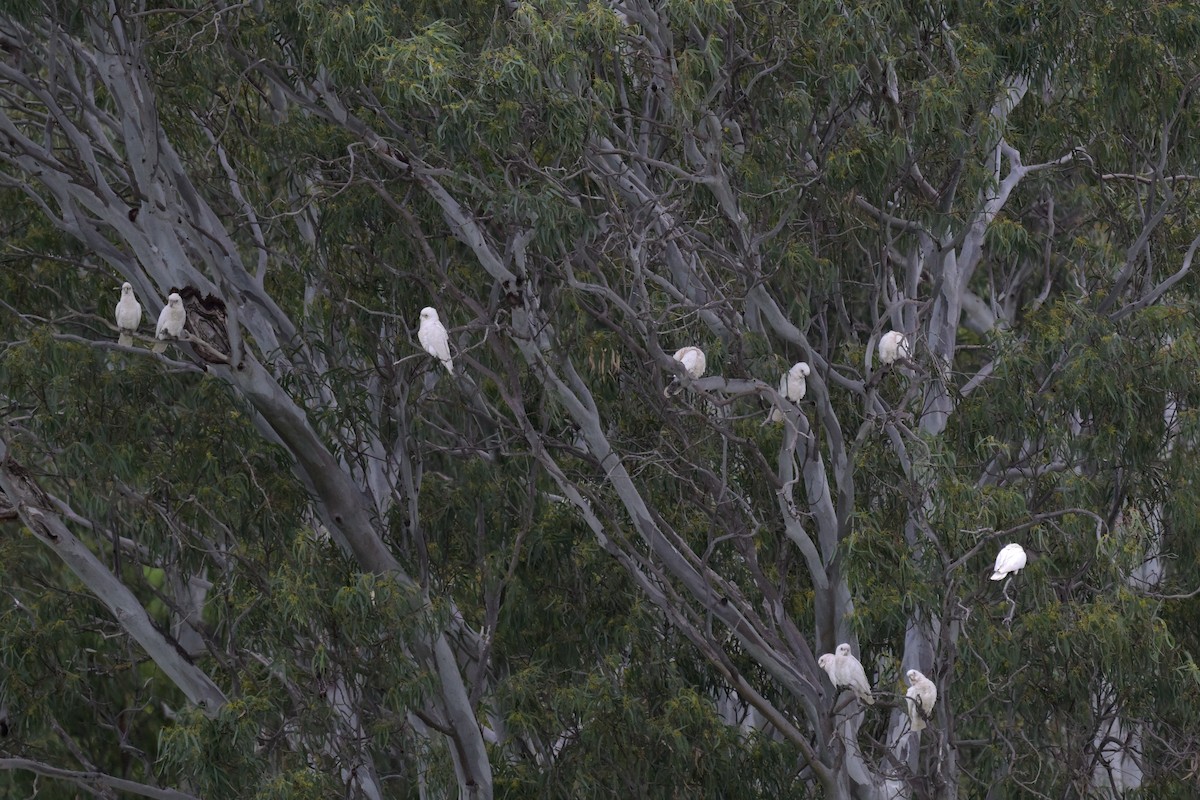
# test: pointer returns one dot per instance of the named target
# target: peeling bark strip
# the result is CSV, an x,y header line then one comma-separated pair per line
x,y
41,518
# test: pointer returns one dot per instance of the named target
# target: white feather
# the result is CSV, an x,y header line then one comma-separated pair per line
x,y
792,386
892,347
693,361
921,696
170,322
844,669
1011,558
433,337
129,315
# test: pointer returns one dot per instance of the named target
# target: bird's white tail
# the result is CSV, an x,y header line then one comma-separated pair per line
x,y
914,714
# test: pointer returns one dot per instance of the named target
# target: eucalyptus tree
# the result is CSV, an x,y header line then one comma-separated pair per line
x,y
579,190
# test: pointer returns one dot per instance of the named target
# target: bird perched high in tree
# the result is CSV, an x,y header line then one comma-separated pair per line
x,y
694,364
921,696
893,347
129,315
1010,559
170,322
792,386
844,669
434,339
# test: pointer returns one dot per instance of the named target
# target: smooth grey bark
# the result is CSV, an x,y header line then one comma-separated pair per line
x,y
90,780
817,495
790,660
177,239
533,335
45,523
189,594
359,775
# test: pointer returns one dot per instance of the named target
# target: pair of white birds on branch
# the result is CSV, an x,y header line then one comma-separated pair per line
x,y
129,318
792,384
845,670
893,346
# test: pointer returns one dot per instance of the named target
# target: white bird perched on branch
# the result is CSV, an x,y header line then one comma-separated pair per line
x,y
693,362
433,337
844,669
792,386
170,322
921,696
893,347
1011,558
129,315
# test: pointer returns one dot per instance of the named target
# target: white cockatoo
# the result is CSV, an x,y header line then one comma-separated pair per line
x,y
693,362
433,337
921,696
129,315
692,359
170,322
792,386
844,669
893,347
1011,558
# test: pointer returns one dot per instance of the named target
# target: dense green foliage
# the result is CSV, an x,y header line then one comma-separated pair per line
x,y
631,589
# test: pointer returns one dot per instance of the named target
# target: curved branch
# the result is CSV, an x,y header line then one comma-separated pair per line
x,y
91,779
40,516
